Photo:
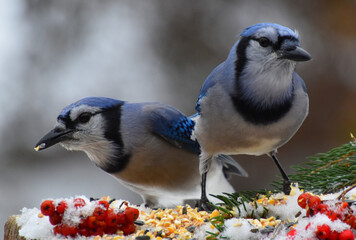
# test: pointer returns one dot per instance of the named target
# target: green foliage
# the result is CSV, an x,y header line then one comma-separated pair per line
x,y
326,172
323,173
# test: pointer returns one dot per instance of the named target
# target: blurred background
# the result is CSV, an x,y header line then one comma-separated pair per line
x,y
53,53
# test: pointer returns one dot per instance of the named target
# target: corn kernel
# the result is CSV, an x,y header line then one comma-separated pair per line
x,y
215,213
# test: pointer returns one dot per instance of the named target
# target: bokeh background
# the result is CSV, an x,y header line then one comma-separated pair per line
x,y
53,53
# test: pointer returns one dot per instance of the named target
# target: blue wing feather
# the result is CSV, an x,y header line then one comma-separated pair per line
x,y
175,128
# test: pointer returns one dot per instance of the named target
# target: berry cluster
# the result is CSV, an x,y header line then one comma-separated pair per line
x,y
342,211
103,218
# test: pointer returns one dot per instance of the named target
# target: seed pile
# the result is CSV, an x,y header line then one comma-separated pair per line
x,y
295,216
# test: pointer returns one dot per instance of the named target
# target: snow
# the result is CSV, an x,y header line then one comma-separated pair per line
x,y
33,227
286,209
236,229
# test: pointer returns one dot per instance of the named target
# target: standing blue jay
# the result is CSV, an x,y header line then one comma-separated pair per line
x,y
254,102
146,146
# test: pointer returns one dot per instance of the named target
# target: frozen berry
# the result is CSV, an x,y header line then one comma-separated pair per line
x,y
323,231
57,230
128,228
333,235
111,230
343,206
55,218
84,232
99,213
62,206
332,215
96,231
69,231
93,222
47,207
121,218
351,220
322,208
346,235
79,202
131,214
111,219
104,204
302,199
314,202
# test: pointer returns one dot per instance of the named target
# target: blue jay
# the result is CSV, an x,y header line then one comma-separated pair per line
x,y
254,102
146,146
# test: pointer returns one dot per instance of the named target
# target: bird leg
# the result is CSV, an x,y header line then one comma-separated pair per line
x,y
286,180
204,204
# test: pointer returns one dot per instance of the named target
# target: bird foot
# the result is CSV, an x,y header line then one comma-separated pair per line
x,y
286,186
205,205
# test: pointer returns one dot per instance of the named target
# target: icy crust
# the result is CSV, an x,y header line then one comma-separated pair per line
x,y
36,226
285,209
282,210
33,227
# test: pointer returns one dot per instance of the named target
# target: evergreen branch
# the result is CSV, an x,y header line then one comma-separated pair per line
x,y
324,173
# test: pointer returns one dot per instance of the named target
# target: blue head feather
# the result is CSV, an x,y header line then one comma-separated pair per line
x,y
282,31
100,102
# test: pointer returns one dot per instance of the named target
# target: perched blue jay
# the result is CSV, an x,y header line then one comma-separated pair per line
x,y
254,102
146,146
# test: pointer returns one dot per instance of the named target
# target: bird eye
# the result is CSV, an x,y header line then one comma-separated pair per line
x,y
84,117
264,42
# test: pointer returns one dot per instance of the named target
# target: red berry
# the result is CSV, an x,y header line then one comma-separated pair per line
x,y
96,231
112,230
79,202
69,231
47,207
346,235
93,222
57,229
323,231
102,224
351,220
131,214
314,202
83,223
331,215
62,206
111,219
84,232
333,235
322,208
104,204
302,199
343,206
121,218
128,228
55,218
291,234
99,213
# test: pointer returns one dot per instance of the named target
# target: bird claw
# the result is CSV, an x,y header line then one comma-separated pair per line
x,y
286,186
205,205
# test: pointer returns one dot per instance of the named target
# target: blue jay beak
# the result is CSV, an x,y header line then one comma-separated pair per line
x,y
297,54
55,136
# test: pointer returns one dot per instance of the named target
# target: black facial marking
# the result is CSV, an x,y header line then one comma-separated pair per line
x,y
278,44
112,118
255,113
